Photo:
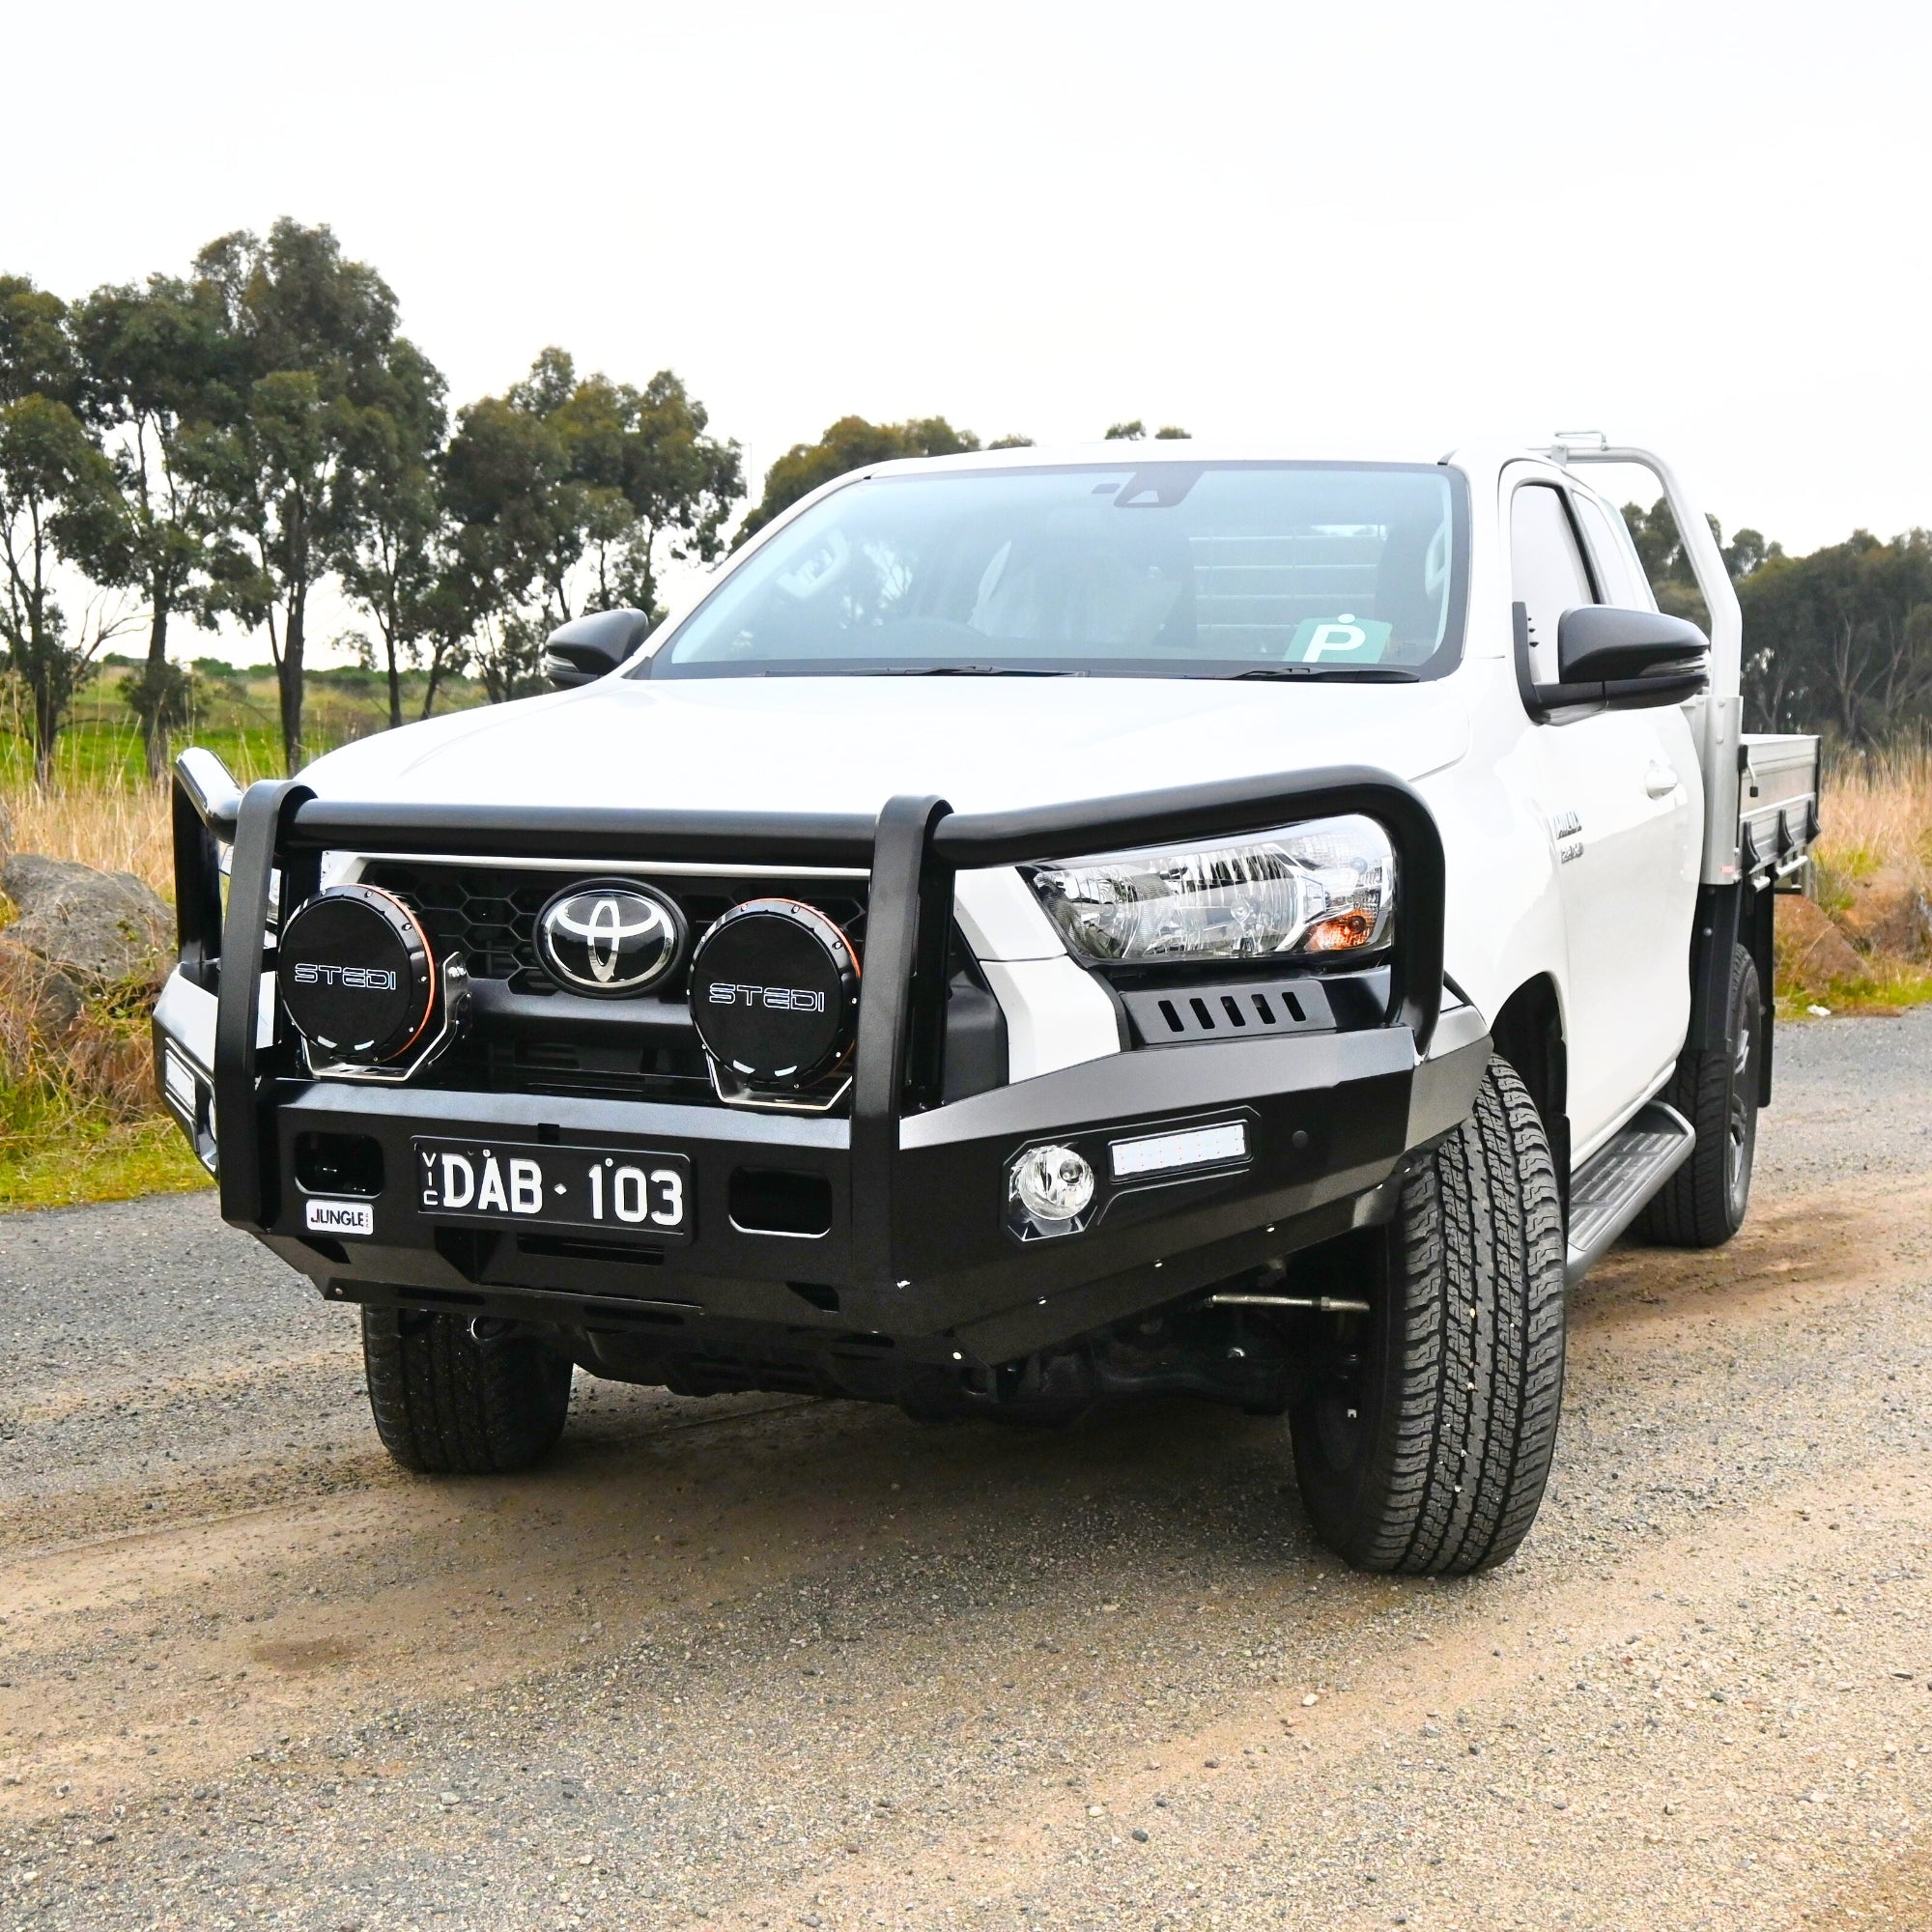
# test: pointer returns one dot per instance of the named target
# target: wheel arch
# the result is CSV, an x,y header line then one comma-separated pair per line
x,y
1528,1033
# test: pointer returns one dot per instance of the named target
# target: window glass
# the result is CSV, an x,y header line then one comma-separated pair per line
x,y
1161,568
1618,570
1547,570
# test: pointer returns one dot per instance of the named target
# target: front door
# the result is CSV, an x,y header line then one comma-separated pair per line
x,y
1623,798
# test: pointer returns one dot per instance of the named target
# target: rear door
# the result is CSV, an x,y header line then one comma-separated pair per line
x,y
1620,795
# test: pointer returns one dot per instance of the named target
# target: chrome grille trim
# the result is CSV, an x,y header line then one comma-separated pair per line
x,y
592,868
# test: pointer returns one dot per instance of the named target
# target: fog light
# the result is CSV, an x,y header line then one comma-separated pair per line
x,y
1053,1183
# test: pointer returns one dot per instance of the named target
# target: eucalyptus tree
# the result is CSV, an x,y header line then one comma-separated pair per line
x,y
390,527
572,492
448,641
160,384
513,512
655,486
61,520
1135,431
1841,639
315,340
851,443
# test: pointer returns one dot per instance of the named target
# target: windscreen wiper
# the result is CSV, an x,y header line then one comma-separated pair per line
x,y
1353,674
967,670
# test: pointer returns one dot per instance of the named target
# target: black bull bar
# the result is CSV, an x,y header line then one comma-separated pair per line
x,y
912,851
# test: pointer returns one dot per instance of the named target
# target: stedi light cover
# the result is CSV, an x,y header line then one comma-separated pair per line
x,y
1307,891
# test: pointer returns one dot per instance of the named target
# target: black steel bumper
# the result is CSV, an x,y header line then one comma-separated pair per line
x,y
915,1244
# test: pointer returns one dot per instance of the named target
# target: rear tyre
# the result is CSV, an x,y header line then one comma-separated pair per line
x,y
451,1401
1424,1448
1704,1203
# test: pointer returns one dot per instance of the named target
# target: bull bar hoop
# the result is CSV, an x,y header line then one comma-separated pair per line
x,y
279,829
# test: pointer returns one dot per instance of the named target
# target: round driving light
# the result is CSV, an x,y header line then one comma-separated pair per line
x,y
357,975
1053,1183
775,992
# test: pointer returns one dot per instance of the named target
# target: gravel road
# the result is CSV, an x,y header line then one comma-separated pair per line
x,y
767,1663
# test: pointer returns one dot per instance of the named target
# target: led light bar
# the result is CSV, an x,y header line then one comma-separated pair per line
x,y
1191,1147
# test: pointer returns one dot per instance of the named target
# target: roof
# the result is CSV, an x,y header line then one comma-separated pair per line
x,y
1476,456
1193,449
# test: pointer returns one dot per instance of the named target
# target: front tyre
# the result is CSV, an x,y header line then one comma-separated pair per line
x,y
1716,1088
1424,1449
453,1397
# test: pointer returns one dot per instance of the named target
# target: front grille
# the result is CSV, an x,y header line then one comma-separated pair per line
x,y
486,916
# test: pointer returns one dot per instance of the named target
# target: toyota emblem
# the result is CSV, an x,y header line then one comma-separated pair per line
x,y
609,938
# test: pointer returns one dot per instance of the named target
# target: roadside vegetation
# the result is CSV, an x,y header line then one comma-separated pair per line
x,y
79,1115
79,1120
1860,942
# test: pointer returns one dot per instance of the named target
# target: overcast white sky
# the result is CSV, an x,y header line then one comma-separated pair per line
x,y
1701,226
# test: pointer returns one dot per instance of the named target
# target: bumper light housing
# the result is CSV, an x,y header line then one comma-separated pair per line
x,y
1050,1191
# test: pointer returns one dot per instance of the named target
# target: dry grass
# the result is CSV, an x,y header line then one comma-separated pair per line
x,y
113,827
1872,877
1878,817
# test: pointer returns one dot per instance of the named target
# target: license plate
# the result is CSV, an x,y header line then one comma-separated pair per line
x,y
629,1192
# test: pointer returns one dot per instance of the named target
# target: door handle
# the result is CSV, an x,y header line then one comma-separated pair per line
x,y
1659,782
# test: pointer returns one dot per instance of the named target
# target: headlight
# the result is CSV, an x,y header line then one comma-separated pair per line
x,y
1321,888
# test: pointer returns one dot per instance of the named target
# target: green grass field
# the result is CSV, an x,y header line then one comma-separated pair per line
x,y
58,1156
236,716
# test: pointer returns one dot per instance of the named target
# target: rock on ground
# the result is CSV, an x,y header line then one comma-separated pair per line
x,y
1889,914
101,928
35,996
1811,950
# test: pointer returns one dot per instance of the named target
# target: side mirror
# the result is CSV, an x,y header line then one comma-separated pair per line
x,y
1615,660
587,649
1597,641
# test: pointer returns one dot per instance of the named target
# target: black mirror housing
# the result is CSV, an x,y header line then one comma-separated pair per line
x,y
590,647
1613,660
1600,642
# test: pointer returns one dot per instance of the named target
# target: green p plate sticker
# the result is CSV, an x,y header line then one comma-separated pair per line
x,y
1343,639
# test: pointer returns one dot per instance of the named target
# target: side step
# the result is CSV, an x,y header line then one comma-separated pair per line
x,y
1617,1182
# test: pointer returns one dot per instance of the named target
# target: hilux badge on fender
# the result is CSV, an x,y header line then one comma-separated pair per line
x,y
609,938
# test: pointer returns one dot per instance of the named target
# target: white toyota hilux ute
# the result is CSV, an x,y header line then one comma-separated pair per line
x,y
1039,927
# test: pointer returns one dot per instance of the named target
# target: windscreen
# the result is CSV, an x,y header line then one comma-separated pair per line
x,y
1152,569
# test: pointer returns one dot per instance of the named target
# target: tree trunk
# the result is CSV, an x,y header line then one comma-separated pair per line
x,y
395,684
1845,675
290,675
154,719
46,735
